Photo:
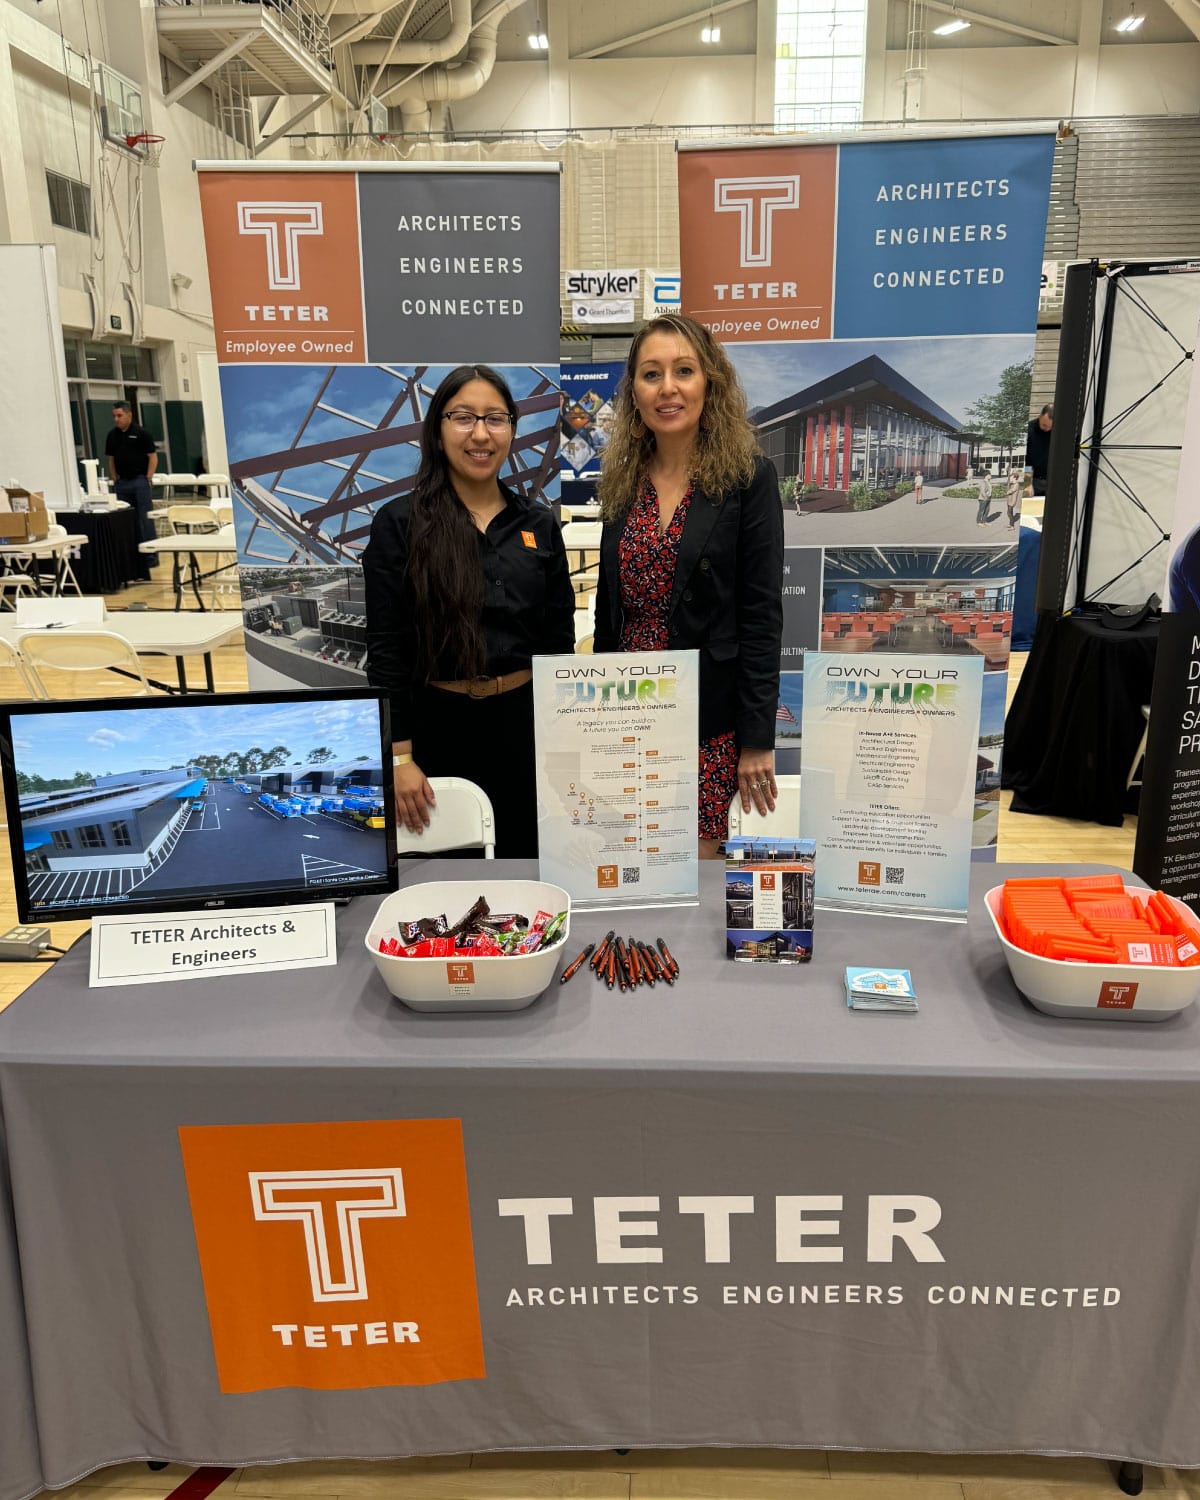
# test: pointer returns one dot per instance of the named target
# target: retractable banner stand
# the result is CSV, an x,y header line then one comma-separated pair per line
x,y
342,294
879,299
587,418
1167,850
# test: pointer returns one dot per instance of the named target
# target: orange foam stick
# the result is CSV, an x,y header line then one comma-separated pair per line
x,y
1094,883
1123,906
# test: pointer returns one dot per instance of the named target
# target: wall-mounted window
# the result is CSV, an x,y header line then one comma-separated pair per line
x,y
70,203
91,836
820,46
62,839
121,836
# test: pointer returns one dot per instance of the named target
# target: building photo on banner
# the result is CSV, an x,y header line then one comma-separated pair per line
x,y
689,522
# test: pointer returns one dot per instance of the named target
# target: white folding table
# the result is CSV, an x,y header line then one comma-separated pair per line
x,y
193,547
158,632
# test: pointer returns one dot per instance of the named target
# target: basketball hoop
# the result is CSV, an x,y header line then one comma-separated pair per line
x,y
148,147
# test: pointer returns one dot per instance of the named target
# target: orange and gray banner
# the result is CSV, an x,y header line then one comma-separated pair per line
x,y
342,294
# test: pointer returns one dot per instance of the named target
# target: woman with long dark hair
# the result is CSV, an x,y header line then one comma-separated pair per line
x,y
692,553
466,582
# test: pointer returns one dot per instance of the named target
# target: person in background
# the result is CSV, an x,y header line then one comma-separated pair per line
x,y
466,582
132,461
919,487
985,498
1037,447
691,555
1012,496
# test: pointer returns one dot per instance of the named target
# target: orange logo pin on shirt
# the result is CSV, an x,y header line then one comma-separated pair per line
x,y
530,540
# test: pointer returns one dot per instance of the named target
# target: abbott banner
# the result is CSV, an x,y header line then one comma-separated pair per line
x,y
342,293
879,299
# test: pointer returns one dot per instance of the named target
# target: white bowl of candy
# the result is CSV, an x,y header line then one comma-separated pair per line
x,y
470,944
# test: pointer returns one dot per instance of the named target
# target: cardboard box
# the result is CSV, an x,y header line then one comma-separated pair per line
x,y
24,517
770,891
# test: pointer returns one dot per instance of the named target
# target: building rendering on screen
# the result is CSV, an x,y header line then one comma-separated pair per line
x,y
129,820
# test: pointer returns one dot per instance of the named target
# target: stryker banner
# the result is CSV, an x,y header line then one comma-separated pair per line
x,y
342,294
890,775
879,300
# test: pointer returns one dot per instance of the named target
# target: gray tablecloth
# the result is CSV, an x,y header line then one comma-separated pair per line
x,y
1052,1308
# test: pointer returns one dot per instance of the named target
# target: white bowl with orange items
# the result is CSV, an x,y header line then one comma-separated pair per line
x,y
1136,951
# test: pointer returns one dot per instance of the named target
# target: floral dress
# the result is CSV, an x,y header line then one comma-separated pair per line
x,y
647,570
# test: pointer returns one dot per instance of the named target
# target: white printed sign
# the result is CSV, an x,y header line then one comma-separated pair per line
x,y
891,753
608,310
200,945
662,294
617,774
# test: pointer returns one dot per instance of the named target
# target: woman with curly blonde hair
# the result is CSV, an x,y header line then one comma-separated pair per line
x,y
692,553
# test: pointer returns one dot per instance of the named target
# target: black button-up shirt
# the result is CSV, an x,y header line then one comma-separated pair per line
x,y
528,600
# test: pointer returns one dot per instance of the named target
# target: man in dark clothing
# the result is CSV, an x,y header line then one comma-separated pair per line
x,y
132,460
1037,447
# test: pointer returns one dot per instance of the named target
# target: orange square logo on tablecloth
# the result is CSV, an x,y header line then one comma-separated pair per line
x,y
756,241
283,266
335,1256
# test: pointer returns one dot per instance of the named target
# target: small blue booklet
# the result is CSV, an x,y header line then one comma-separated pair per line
x,y
880,989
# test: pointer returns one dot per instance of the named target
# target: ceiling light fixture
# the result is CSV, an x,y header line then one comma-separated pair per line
x,y
539,41
710,34
958,24
1130,22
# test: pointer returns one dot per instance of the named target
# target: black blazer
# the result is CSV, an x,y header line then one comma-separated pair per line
x,y
727,601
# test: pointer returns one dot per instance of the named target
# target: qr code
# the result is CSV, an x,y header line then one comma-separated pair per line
x,y
630,875
895,874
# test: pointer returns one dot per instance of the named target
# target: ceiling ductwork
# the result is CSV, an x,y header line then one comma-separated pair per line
x,y
460,80
383,50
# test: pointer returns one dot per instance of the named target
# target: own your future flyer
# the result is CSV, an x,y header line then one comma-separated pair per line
x,y
890,761
617,776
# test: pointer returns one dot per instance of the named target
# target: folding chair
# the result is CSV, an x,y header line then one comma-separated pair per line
x,y
784,822
84,651
12,658
462,819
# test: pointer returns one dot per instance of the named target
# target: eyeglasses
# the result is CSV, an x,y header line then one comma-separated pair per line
x,y
494,421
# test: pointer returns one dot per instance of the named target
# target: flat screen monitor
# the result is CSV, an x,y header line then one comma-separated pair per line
x,y
170,804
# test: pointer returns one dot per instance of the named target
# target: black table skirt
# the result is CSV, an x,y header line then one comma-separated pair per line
x,y
111,558
1076,720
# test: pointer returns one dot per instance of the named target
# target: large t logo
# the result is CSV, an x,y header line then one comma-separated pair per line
x,y
756,200
281,225
350,1196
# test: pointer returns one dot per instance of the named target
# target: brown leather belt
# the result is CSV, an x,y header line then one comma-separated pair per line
x,y
487,687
